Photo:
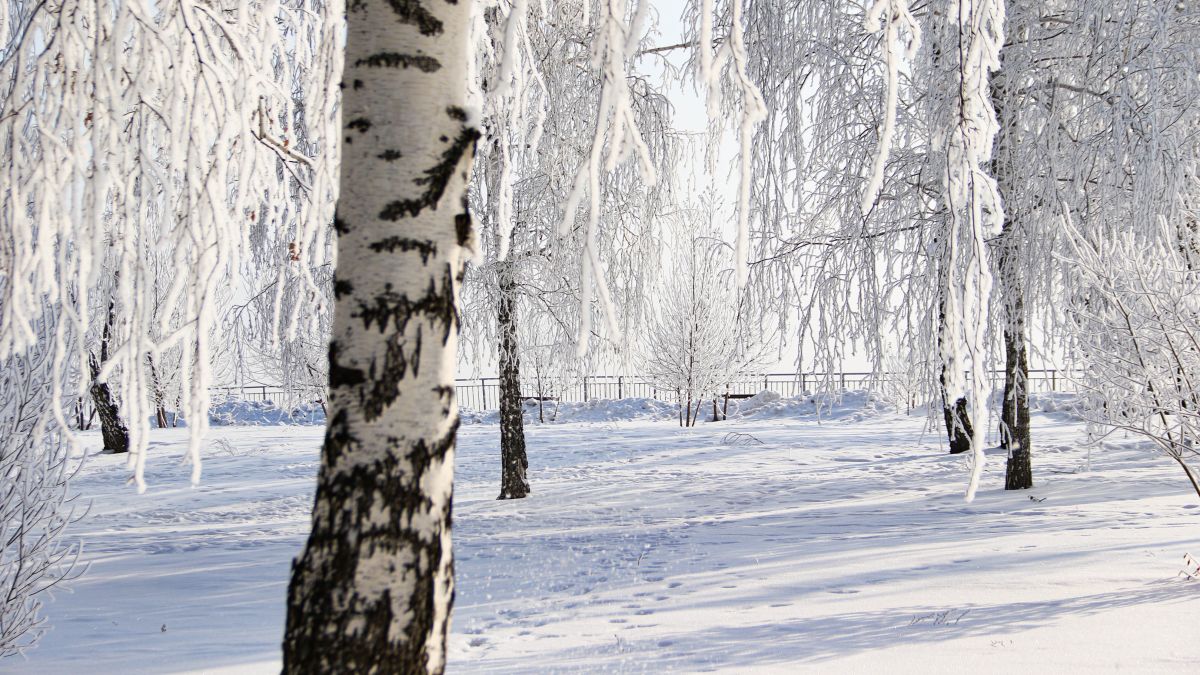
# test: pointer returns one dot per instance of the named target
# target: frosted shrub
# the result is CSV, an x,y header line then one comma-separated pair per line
x,y
35,499
1136,324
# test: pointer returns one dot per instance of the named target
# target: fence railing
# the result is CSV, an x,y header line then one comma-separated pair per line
x,y
251,392
484,393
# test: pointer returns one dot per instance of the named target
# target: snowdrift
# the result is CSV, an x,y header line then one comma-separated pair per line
x,y
237,412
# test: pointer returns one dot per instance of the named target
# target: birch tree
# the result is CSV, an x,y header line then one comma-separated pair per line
x,y
372,589
541,113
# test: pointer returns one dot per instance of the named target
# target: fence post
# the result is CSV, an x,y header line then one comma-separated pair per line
x,y
1053,379
765,385
585,396
483,394
620,386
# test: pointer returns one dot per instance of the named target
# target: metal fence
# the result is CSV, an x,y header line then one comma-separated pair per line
x,y
484,393
251,392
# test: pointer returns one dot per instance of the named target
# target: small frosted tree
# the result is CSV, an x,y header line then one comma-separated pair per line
x,y
695,344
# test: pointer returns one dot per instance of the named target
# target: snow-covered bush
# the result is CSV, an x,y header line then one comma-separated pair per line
x,y
35,498
1136,325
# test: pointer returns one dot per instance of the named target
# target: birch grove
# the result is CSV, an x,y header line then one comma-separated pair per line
x,y
953,192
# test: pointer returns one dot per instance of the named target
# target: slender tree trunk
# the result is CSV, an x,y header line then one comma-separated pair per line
x,y
112,429
955,414
373,588
537,372
513,462
958,424
1014,410
160,411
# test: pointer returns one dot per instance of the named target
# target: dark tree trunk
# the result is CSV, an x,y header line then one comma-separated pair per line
x,y
1014,416
112,429
956,415
160,410
1014,412
958,424
514,464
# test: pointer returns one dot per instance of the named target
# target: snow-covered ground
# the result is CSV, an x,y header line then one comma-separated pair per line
x,y
772,542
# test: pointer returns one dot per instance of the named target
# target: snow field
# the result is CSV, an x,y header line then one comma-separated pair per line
x,y
763,544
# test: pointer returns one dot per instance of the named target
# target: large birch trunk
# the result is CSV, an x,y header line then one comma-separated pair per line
x,y
372,590
513,462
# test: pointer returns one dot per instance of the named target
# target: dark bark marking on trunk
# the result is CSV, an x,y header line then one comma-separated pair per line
x,y
392,308
435,179
339,375
411,12
341,288
425,247
462,225
340,226
390,155
360,124
385,387
426,64
446,396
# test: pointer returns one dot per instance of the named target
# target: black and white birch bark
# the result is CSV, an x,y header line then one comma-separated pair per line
x,y
373,588
112,429
1015,435
514,464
